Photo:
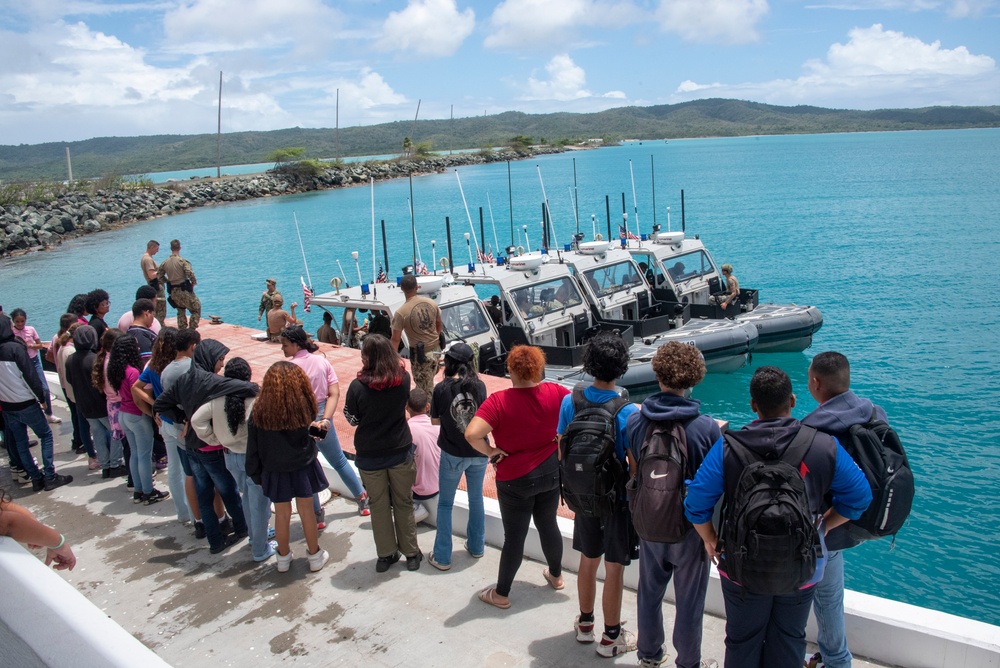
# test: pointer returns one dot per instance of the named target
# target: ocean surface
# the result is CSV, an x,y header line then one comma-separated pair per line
x,y
893,235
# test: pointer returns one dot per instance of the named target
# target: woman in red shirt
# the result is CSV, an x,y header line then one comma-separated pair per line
x,y
523,422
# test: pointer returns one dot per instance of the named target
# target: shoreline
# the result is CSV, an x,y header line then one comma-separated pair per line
x,y
38,226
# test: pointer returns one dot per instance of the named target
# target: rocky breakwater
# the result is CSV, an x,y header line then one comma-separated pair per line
x,y
40,224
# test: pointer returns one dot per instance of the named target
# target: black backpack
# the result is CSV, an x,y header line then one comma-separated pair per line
x,y
656,490
769,539
592,477
878,452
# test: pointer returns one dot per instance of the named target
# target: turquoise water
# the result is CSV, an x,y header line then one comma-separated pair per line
x,y
892,235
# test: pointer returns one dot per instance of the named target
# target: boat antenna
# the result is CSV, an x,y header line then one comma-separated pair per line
x,y
218,135
413,222
510,204
468,246
374,271
576,208
527,242
302,248
493,222
576,199
467,214
683,228
357,266
635,205
652,174
434,257
545,203
593,225
346,284
668,219
416,245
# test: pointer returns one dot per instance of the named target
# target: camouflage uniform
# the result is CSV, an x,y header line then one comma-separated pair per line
x,y
177,271
267,302
160,311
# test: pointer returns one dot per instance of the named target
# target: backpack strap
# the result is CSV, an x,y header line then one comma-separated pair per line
x,y
744,455
874,416
797,449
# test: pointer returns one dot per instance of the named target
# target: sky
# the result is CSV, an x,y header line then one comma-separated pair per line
x,y
76,69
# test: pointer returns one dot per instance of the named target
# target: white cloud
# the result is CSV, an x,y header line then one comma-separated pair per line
x,y
427,27
212,26
553,23
954,8
875,68
566,82
713,21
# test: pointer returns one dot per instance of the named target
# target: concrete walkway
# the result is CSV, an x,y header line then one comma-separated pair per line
x,y
150,575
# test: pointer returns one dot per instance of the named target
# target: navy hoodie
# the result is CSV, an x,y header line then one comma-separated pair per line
x,y
701,430
199,386
836,417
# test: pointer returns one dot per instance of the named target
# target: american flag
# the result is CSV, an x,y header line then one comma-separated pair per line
x,y
421,268
381,277
622,232
484,257
307,294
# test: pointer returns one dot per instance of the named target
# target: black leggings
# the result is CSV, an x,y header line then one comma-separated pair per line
x,y
532,496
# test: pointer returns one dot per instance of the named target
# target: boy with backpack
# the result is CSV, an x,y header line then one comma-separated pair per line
x,y
591,435
774,474
661,460
839,411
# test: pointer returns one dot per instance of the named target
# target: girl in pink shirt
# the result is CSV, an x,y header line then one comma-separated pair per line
x,y
28,336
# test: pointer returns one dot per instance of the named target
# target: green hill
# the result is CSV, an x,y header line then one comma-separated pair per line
x,y
701,118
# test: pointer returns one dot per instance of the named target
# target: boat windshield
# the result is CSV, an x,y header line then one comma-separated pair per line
x,y
613,278
690,265
463,320
547,297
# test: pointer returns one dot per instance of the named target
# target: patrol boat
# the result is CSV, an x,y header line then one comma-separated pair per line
x,y
619,294
462,313
681,271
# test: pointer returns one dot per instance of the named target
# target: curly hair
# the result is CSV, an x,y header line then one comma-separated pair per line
x,y
296,335
381,367
164,349
236,407
771,391
94,299
111,334
526,362
78,305
678,366
286,399
605,357
124,354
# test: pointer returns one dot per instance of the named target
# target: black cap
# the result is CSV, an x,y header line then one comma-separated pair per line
x,y
460,352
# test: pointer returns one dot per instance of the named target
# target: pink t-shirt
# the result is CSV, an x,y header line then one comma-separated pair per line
x,y
125,390
127,319
29,336
426,455
319,370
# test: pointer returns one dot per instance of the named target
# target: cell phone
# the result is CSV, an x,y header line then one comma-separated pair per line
x,y
317,431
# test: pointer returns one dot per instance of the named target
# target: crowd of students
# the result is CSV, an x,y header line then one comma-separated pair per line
x,y
235,448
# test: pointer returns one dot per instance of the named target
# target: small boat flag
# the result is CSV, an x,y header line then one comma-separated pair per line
x,y
307,294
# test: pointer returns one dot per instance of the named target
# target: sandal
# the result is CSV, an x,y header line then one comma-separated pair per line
x,y
489,595
554,582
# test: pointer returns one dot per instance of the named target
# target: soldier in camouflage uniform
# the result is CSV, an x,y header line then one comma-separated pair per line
x,y
420,318
179,275
267,298
149,274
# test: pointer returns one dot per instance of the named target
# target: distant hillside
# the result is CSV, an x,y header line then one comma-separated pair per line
x,y
702,118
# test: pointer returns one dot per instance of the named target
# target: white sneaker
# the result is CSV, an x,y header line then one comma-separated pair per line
x,y
584,630
285,562
420,512
317,560
54,419
653,663
625,642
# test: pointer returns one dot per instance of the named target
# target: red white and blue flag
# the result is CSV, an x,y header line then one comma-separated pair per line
x,y
307,294
381,276
421,268
484,257
626,234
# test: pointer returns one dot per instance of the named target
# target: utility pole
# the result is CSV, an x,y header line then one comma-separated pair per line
x,y
218,135
69,165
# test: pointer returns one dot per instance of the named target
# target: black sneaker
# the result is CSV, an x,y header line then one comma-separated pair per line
x,y
56,481
226,526
37,484
106,473
138,497
199,530
413,563
383,563
154,497
227,542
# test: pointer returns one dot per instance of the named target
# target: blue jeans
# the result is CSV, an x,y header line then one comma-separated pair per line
x,y
256,506
18,422
210,474
45,384
765,631
175,471
449,475
109,451
828,606
330,447
658,562
139,432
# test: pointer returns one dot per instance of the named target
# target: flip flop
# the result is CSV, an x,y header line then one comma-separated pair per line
x,y
487,596
553,581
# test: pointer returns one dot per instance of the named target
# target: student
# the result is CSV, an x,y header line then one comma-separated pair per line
x,y
64,349
29,337
678,368
455,401
91,402
768,630
98,305
605,357
376,405
426,454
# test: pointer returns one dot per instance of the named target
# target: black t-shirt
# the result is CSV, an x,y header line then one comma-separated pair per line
x,y
456,409
383,438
